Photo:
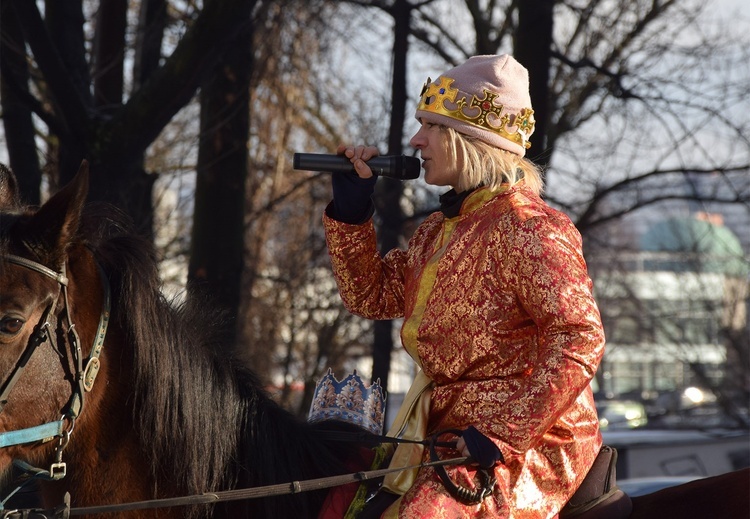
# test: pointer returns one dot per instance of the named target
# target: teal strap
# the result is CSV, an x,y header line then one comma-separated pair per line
x,y
32,434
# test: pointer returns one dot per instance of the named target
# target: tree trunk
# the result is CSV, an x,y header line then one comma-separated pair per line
x,y
148,40
63,23
389,192
109,53
533,49
216,255
17,121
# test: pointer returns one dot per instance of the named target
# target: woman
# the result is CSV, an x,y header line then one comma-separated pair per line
x,y
497,304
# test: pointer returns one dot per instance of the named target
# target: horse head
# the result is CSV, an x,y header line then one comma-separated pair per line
x,y
41,365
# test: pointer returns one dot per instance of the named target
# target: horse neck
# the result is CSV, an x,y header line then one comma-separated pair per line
x,y
105,463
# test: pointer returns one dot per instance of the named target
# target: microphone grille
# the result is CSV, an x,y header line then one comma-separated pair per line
x,y
411,167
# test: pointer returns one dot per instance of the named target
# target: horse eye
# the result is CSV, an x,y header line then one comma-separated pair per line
x,y
11,325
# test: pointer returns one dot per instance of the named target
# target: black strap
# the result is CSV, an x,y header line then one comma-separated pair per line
x,y
466,496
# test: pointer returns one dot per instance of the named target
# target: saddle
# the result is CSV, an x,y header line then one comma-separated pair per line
x,y
598,497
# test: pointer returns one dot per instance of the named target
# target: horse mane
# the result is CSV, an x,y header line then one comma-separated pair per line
x,y
201,416
179,375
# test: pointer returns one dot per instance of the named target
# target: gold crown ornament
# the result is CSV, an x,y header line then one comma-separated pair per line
x,y
349,400
441,98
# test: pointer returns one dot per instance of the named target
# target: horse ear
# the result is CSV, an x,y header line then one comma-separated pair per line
x,y
9,197
56,222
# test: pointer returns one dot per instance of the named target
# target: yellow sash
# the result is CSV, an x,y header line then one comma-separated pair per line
x,y
410,424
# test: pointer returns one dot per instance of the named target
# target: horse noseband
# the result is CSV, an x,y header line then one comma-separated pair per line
x,y
466,496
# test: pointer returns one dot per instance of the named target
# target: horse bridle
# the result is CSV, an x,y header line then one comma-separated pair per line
x,y
84,377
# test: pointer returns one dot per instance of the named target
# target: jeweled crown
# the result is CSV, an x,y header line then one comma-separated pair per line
x,y
349,400
441,98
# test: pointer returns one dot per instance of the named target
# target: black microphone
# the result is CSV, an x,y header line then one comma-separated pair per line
x,y
398,167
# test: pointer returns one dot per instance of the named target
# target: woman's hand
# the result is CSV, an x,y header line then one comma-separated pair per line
x,y
352,190
359,155
476,445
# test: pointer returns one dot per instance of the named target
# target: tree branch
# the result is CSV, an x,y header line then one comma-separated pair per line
x,y
173,85
591,217
74,110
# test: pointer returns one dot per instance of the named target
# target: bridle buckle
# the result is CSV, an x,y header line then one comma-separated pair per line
x,y
58,470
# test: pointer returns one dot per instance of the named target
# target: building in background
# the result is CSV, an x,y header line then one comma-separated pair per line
x,y
675,314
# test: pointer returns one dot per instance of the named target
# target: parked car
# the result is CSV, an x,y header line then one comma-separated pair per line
x,y
621,414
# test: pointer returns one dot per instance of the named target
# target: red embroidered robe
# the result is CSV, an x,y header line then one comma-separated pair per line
x,y
498,310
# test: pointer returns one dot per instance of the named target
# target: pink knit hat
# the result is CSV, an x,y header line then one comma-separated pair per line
x,y
487,97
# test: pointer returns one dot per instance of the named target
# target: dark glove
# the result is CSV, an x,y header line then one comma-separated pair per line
x,y
482,449
352,194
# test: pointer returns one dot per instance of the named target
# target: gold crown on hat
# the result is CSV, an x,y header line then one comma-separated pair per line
x,y
349,400
514,127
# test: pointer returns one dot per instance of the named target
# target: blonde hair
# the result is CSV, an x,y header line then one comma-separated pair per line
x,y
481,164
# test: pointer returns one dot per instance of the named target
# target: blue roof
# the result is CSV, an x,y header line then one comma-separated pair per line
x,y
713,248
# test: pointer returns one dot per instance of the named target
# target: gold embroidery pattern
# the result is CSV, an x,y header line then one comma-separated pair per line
x,y
509,332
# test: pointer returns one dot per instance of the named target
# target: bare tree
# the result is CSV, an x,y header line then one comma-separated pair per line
x,y
293,325
630,99
217,239
78,86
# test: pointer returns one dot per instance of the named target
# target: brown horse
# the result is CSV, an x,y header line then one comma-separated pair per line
x,y
131,397
142,398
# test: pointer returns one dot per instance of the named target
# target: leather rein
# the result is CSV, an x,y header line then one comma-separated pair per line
x,y
84,376
64,510
487,480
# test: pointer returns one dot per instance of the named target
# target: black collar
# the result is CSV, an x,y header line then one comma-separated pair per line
x,y
451,202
